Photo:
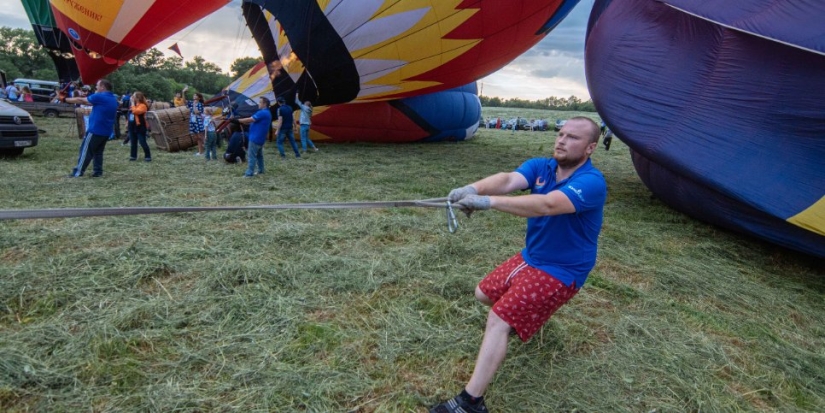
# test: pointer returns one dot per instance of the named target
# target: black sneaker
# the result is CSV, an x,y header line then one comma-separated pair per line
x,y
458,405
97,175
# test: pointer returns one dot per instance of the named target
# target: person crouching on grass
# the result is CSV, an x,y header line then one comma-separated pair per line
x,y
260,124
564,212
236,148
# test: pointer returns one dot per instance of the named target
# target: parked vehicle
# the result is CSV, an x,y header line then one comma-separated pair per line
x,y
540,125
41,89
17,129
559,124
523,124
49,110
3,84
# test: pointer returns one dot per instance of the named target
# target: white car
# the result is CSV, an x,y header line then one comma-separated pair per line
x,y
17,129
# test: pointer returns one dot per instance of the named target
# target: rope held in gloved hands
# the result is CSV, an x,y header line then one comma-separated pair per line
x,y
10,214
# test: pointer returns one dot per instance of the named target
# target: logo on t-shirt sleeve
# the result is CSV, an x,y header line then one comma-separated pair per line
x,y
578,192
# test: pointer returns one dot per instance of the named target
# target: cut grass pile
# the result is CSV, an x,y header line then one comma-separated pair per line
x,y
373,310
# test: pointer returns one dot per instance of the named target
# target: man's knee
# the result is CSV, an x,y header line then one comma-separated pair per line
x,y
481,297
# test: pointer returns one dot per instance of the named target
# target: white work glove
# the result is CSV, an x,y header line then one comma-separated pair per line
x,y
471,203
459,193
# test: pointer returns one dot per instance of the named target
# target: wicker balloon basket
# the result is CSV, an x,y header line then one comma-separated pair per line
x,y
160,105
170,128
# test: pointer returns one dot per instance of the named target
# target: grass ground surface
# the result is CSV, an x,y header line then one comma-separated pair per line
x,y
373,310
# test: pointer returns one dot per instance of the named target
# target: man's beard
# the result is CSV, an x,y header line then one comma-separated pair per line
x,y
566,162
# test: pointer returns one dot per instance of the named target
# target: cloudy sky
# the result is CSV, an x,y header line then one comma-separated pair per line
x,y
554,67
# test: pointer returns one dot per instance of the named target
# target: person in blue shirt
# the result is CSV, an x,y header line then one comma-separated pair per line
x,y
123,110
101,127
12,92
260,124
564,213
236,148
285,128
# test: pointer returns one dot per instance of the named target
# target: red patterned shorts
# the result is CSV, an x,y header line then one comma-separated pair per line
x,y
523,296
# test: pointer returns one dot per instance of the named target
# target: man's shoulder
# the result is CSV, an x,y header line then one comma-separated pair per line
x,y
589,173
589,176
102,97
589,168
262,114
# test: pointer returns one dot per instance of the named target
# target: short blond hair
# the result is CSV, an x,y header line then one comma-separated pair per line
x,y
595,131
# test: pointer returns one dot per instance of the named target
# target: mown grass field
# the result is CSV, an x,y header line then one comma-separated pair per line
x,y
373,310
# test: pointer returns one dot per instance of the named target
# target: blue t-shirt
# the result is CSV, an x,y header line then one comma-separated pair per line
x,y
236,144
259,129
104,110
565,245
285,113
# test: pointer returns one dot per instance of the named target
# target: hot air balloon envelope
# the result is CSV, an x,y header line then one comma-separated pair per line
x,y
105,34
371,50
721,104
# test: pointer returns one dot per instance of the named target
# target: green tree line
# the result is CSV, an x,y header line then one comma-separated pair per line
x,y
551,103
156,75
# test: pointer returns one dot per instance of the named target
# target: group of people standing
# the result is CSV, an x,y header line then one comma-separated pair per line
x,y
104,119
136,105
101,126
260,127
16,94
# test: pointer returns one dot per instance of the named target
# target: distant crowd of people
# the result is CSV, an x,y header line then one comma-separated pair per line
x,y
13,93
246,136
515,124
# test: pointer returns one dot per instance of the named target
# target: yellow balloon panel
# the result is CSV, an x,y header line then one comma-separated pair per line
x,y
97,16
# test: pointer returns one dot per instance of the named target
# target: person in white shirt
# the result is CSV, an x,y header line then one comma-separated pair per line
x,y
305,121
12,92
